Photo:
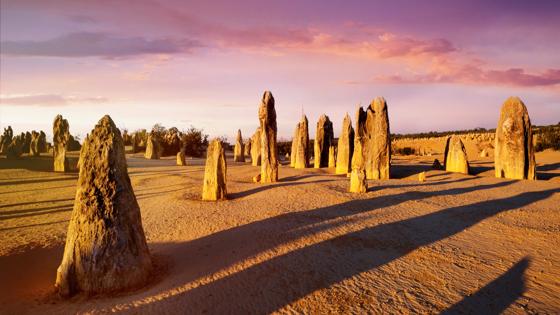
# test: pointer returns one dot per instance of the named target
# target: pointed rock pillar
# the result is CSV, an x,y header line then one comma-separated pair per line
x,y
106,249
358,180
323,140
302,152
61,136
378,151
238,150
345,147
269,156
256,148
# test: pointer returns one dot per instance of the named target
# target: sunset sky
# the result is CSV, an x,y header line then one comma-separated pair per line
x,y
441,65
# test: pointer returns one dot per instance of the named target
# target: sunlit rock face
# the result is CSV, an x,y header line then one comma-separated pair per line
x,y
345,147
106,248
215,173
514,155
269,155
455,156
61,136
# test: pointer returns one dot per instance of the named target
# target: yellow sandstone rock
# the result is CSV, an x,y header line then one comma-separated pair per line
x,y
214,187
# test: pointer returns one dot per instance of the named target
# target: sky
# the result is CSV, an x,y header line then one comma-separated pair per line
x,y
441,65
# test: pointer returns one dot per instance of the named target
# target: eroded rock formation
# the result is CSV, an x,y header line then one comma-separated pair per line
x,y
323,139
332,156
6,139
181,158
153,149
514,155
455,156
345,147
378,150
15,148
293,152
358,181
256,143
106,249
34,144
238,150
61,135
269,156
301,159
214,186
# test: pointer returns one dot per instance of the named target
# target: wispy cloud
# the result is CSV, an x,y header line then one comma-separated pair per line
x,y
47,100
89,44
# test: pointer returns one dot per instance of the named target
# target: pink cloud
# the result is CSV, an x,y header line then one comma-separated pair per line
x,y
47,100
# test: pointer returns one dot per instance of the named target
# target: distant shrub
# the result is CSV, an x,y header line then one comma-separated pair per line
x,y
194,142
404,151
548,138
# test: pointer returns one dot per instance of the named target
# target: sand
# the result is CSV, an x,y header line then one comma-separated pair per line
x,y
461,243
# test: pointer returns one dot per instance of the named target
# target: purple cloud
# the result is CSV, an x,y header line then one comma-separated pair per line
x,y
88,44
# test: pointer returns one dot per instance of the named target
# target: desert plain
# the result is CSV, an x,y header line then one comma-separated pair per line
x,y
454,243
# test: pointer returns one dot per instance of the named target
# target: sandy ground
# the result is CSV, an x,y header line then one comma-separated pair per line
x,y
303,245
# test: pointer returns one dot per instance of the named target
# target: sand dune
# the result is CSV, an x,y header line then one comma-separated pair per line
x,y
455,242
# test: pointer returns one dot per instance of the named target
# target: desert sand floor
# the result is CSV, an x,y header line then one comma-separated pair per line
x,y
454,243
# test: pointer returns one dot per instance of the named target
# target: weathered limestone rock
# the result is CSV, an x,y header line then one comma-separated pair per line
x,y
422,177
358,181
455,156
293,152
323,140
345,147
6,139
238,150
514,154
256,143
378,151
106,249
42,142
181,158
269,156
257,178
26,142
61,135
34,145
302,151
153,149
247,147
332,156
483,153
214,187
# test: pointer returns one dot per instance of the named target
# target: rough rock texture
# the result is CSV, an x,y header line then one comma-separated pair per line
x,y
214,187
345,147
239,150
323,140
42,142
106,249
34,145
61,135
153,149
256,143
378,150
483,153
293,152
422,177
358,181
514,155
26,142
455,157
437,165
332,156
269,156
6,139
247,147
181,158
126,138
302,150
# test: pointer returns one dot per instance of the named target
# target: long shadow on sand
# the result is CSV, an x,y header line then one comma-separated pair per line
x,y
14,214
282,280
496,296
277,282
39,180
265,187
